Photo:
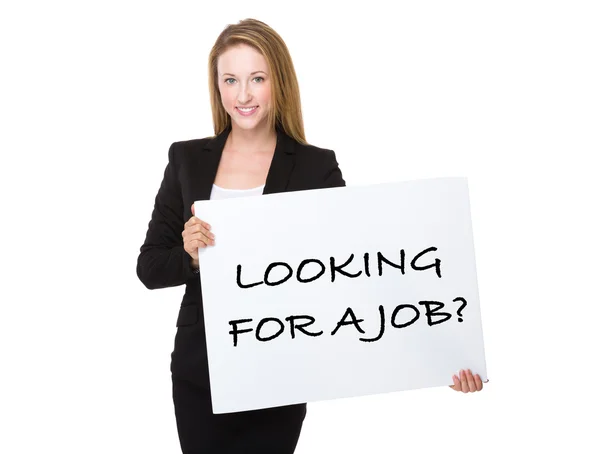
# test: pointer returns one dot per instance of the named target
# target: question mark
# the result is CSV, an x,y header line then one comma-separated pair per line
x,y
462,306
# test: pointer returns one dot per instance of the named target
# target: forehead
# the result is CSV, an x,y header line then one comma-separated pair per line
x,y
241,59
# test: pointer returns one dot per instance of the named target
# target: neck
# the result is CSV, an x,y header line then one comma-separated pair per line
x,y
252,140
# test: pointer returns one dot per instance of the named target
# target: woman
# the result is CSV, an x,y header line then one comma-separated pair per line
x,y
259,147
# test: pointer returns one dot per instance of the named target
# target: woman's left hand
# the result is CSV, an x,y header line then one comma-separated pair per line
x,y
467,382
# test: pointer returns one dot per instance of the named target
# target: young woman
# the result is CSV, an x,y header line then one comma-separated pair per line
x,y
259,147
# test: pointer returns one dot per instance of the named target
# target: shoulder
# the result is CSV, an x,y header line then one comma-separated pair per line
x,y
318,166
315,155
186,146
182,150
311,150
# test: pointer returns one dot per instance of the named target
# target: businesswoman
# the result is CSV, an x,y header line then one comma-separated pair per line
x,y
259,147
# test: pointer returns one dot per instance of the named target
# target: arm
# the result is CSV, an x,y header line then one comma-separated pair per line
x,y
162,261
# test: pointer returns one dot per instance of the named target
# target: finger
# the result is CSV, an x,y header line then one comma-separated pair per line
x,y
456,386
471,381
199,236
463,382
194,225
197,244
193,210
191,221
205,225
478,382
194,220
197,227
206,236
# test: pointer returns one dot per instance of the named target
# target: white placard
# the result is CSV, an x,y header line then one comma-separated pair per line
x,y
297,285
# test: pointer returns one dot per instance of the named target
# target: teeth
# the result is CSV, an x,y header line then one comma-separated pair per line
x,y
246,109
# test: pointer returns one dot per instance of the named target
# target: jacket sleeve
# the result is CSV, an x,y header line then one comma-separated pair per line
x,y
333,175
162,261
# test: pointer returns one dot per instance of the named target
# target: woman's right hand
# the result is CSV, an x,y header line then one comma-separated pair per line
x,y
196,234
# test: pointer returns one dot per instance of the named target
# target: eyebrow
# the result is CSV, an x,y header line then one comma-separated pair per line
x,y
252,73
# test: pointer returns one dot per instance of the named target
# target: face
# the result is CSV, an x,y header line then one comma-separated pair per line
x,y
245,87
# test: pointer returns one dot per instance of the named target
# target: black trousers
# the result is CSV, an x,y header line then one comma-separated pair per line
x,y
266,431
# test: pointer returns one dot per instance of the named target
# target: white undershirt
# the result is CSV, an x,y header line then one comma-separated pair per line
x,y
218,192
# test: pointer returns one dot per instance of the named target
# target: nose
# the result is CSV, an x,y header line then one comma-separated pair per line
x,y
244,94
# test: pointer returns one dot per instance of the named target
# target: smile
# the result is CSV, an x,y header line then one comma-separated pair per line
x,y
246,110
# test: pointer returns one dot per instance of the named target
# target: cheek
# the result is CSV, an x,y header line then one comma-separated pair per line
x,y
226,98
266,95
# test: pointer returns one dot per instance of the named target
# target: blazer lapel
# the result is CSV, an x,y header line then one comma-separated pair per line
x,y
281,165
207,164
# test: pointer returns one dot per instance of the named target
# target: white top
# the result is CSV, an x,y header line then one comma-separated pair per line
x,y
218,192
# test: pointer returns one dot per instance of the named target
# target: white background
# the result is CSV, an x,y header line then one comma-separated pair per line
x,y
504,93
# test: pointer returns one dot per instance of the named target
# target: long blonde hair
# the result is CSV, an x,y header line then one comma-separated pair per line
x,y
286,111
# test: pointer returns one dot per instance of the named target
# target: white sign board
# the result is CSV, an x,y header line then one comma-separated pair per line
x,y
341,292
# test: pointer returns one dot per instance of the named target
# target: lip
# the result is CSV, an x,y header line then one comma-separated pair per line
x,y
247,114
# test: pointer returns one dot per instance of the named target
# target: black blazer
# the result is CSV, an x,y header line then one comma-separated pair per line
x,y
189,176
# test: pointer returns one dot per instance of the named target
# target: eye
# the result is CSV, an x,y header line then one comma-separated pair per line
x,y
258,79
229,80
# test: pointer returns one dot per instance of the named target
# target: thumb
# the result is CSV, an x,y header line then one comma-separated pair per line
x,y
193,211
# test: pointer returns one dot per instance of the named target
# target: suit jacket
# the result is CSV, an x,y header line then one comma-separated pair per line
x,y
189,176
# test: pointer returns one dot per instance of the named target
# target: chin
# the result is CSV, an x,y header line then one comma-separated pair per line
x,y
247,124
